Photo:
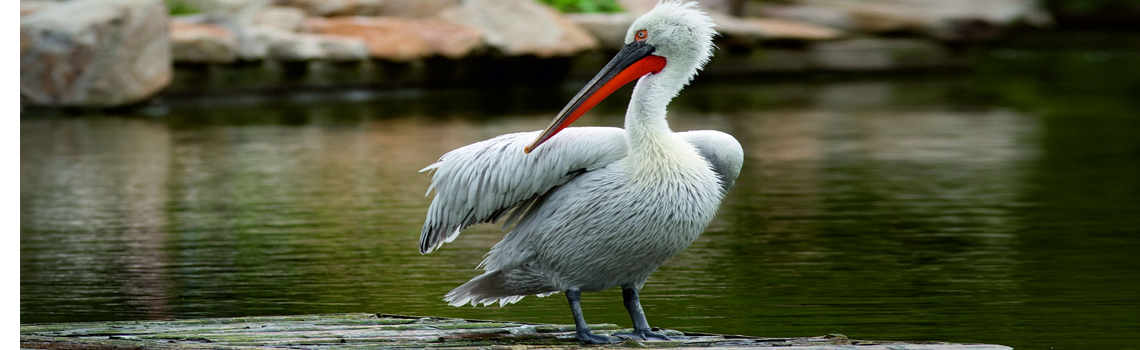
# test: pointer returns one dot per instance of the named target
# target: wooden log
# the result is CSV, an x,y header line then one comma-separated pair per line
x,y
369,331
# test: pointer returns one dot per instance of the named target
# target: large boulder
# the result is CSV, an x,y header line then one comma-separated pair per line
x,y
97,53
523,27
400,39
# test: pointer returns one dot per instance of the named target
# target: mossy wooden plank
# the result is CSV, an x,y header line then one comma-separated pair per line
x,y
381,331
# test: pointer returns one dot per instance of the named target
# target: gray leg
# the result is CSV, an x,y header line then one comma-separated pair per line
x,y
640,325
584,334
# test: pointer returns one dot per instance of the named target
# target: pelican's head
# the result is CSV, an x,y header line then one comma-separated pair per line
x,y
674,37
679,32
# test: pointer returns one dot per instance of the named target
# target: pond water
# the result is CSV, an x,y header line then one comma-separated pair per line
x,y
999,207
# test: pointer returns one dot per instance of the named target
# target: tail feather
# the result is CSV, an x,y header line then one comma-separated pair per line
x,y
485,289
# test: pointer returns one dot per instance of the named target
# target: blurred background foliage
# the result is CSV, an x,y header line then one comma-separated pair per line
x,y
584,6
180,8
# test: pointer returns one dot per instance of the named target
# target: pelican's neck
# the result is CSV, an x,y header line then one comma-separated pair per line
x,y
645,123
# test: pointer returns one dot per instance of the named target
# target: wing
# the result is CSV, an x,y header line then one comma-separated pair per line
x,y
483,181
719,149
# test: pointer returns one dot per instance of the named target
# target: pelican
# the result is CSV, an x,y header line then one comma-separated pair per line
x,y
593,208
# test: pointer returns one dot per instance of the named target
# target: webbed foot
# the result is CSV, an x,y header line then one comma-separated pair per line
x,y
589,337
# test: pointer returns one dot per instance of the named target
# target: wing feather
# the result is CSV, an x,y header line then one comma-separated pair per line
x,y
482,182
721,150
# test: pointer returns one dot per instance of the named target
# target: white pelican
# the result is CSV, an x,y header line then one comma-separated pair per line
x,y
593,207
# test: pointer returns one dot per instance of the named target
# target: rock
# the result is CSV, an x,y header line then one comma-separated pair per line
x,y
399,39
522,27
97,53
195,42
252,45
784,29
340,48
944,20
237,16
278,17
327,8
608,28
287,46
387,38
449,40
759,29
212,39
29,7
416,8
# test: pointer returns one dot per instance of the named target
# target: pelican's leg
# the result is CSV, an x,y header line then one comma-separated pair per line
x,y
641,328
574,295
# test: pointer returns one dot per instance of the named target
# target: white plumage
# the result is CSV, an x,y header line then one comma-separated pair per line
x,y
594,207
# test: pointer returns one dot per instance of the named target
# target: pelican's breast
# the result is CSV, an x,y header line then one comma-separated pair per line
x,y
615,226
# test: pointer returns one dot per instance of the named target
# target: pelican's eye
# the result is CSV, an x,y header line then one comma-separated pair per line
x,y
641,35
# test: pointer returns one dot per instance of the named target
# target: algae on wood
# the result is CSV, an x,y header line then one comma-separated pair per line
x,y
373,331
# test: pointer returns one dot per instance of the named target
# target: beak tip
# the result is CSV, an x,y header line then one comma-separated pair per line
x,y
527,149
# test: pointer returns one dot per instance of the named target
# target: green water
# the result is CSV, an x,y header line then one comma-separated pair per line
x,y
1001,206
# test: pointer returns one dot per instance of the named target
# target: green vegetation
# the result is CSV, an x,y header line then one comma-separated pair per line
x,y
179,7
584,6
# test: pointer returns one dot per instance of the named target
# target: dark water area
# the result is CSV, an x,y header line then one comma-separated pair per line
x,y
996,206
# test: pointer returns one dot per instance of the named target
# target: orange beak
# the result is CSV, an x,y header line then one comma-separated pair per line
x,y
632,62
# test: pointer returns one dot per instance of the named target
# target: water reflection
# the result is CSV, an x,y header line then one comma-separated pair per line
x,y
864,210
93,216
886,210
